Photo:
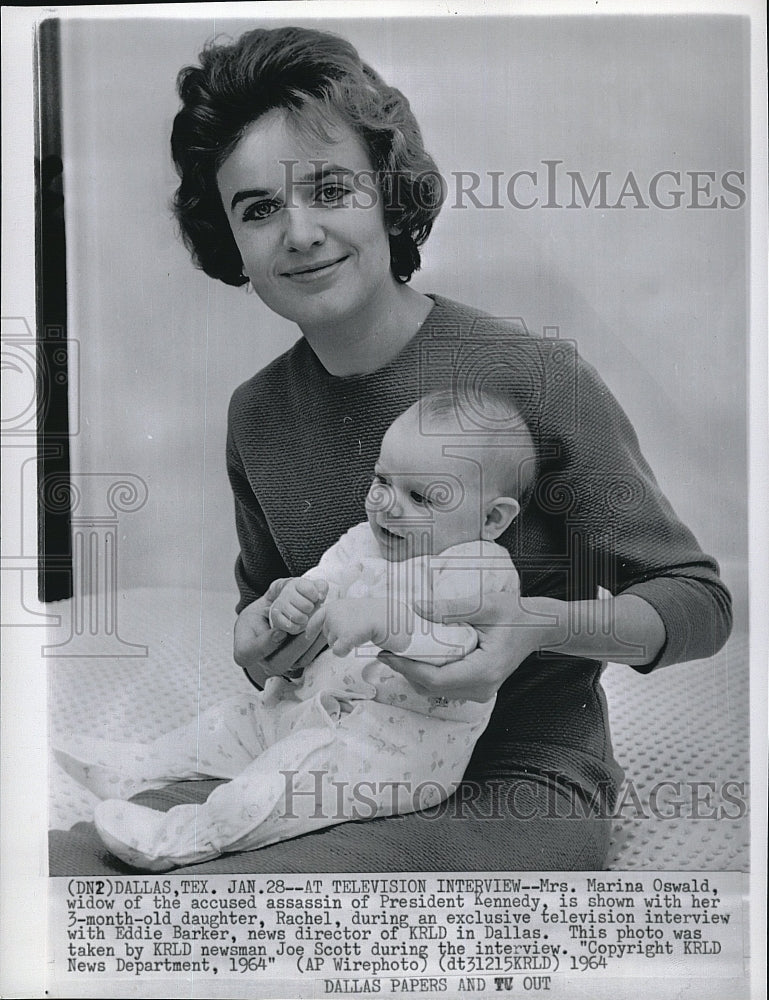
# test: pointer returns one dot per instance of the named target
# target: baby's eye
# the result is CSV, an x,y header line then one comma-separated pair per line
x,y
419,499
329,194
259,210
382,480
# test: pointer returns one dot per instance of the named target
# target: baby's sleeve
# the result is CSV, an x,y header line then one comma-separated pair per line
x,y
466,575
436,643
341,564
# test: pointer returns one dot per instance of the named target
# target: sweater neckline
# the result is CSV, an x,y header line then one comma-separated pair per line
x,y
393,364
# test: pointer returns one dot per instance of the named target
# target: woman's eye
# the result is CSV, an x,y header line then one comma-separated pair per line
x,y
329,194
261,210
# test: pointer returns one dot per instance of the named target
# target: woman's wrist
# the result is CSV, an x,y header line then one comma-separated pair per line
x,y
626,629
546,620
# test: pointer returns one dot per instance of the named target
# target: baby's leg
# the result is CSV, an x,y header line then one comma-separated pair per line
x,y
245,813
382,761
371,761
220,743
306,781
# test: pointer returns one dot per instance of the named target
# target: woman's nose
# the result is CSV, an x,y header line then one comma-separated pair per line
x,y
303,229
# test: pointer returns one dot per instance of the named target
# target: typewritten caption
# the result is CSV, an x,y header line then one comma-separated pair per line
x,y
389,935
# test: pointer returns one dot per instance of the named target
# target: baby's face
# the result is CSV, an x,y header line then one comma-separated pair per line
x,y
422,501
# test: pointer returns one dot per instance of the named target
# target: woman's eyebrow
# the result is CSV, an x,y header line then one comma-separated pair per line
x,y
250,193
322,170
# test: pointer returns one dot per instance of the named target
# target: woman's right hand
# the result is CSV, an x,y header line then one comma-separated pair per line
x,y
263,651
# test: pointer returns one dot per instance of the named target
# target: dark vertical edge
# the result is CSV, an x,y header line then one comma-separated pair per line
x,y
53,466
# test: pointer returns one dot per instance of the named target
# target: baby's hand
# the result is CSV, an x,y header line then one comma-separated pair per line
x,y
353,621
296,603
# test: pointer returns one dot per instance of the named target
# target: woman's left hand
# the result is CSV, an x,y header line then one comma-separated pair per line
x,y
507,633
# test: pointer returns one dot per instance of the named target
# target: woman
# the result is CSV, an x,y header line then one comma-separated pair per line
x,y
304,174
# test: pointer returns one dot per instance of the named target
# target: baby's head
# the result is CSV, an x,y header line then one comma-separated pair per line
x,y
451,469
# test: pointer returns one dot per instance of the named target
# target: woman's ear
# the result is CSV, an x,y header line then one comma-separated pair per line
x,y
500,514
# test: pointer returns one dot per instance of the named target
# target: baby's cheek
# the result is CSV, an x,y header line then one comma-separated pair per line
x,y
379,498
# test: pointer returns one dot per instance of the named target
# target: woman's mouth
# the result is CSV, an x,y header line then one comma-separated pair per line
x,y
316,271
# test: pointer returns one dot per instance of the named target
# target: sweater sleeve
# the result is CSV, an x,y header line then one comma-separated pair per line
x,y
620,530
259,561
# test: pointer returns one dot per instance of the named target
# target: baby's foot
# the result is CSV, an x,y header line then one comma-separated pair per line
x,y
109,770
150,839
122,826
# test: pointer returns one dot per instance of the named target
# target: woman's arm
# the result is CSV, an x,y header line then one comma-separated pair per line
x,y
624,629
260,571
259,561
619,530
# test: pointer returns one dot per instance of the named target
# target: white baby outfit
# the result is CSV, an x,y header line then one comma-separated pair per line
x,y
350,739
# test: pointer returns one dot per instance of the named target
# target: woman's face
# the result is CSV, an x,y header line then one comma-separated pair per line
x,y
308,223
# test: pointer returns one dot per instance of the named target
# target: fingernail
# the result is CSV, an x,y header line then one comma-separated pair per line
x,y
278,636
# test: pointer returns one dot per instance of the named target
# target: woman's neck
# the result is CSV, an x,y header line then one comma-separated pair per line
x,y
372,337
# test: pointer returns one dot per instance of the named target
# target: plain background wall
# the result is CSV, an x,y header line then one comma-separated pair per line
x,y
656,300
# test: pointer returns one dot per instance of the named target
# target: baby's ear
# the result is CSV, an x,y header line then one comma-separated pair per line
x,y
500,514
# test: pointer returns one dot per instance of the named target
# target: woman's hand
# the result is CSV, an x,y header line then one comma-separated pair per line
x,y
507,633
263,651
625,629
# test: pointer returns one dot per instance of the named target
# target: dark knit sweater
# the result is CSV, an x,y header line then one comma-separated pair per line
x,y
301,450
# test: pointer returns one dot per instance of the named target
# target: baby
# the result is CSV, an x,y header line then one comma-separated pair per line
x,y
351,738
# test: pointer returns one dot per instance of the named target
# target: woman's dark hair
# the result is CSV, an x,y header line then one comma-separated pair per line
x,y
318,79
